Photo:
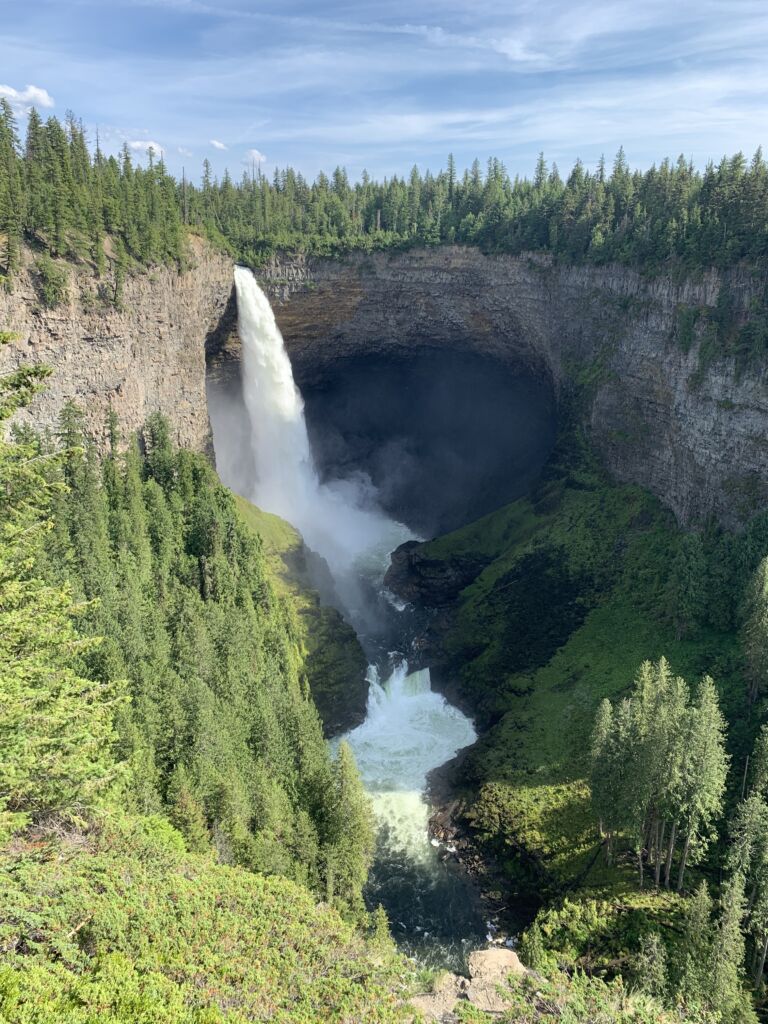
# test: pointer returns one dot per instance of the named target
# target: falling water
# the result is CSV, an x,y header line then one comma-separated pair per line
x,y
340,519
409,729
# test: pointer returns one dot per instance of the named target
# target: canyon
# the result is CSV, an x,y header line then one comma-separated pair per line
x,y
604,342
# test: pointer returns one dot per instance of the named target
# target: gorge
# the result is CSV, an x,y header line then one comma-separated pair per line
x,y
468,374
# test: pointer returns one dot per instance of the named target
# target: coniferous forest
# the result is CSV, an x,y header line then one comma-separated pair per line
x,y
58,185
178,843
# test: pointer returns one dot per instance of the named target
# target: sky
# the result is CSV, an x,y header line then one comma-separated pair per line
x,y
383,86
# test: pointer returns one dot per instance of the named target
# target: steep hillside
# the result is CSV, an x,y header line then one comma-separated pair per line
x,y
335,663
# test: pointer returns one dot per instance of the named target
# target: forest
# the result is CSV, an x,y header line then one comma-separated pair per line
x,y
161,745
60,187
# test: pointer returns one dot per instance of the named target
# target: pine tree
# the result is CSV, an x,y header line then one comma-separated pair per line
x,y
755,632
351,835
56,725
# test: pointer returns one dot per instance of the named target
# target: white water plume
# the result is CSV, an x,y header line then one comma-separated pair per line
x,y
340,520
408,730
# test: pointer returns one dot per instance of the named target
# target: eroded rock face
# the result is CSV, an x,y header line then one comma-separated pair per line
x,y
697,440
148,356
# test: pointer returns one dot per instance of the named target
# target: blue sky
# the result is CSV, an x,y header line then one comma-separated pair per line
x,y
385,85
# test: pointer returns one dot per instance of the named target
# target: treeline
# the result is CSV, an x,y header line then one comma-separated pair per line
x,y
52,189
668,215
144,650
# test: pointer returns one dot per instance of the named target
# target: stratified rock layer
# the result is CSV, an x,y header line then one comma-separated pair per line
x,y
147,356
698,440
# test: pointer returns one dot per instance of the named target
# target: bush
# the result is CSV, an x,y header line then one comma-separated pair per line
x,y
52,281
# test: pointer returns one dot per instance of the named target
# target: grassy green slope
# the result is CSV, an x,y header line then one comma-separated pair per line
x,y
574,596
334,660
115,922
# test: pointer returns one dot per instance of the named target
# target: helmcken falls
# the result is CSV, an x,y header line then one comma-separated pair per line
x,y
409,729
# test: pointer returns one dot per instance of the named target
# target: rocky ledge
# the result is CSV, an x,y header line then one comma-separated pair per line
x,y
489,974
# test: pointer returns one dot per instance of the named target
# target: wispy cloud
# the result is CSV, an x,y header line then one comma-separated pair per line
x,y
386,87
144,146
24,99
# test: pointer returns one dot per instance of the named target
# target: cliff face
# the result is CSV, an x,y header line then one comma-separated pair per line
x,y
698,440
148,356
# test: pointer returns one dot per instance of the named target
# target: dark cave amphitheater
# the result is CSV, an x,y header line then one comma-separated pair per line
x,y
445,436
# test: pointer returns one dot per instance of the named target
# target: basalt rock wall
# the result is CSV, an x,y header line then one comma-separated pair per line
x,y
145,355
608,339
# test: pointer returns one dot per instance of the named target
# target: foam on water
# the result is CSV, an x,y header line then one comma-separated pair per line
x,y
408,731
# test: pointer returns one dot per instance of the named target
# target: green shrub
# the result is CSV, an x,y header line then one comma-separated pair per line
x,y
52,281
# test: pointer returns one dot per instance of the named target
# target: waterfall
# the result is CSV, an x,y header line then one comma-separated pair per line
x,y
408,729
341,519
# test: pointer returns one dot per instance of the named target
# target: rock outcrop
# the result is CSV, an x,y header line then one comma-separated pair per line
x,y
421,580
147,356
697,438
489,972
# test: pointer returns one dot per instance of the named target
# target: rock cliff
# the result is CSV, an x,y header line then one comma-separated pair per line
x,y
697,438
147,356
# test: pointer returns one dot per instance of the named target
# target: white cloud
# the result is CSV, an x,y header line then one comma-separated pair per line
x,y
217,145
144,146
254,156
25,99
183,151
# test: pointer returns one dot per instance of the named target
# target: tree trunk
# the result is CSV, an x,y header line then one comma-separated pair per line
x,y
683,859
659,846
640,864
670,851
751,900
761,968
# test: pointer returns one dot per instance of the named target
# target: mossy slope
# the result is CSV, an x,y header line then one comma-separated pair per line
x,y
334,661
116,922
574,595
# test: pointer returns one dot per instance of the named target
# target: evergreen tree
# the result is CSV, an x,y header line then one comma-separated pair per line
x,y
351,832
755,632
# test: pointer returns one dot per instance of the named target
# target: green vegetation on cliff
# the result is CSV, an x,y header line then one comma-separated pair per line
x,y
162,758
576,587
55,193
334,661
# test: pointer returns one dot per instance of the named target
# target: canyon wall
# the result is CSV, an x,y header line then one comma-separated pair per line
x,y
606,336
146,356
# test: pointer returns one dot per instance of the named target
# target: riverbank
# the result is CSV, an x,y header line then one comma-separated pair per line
x,y
574,587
